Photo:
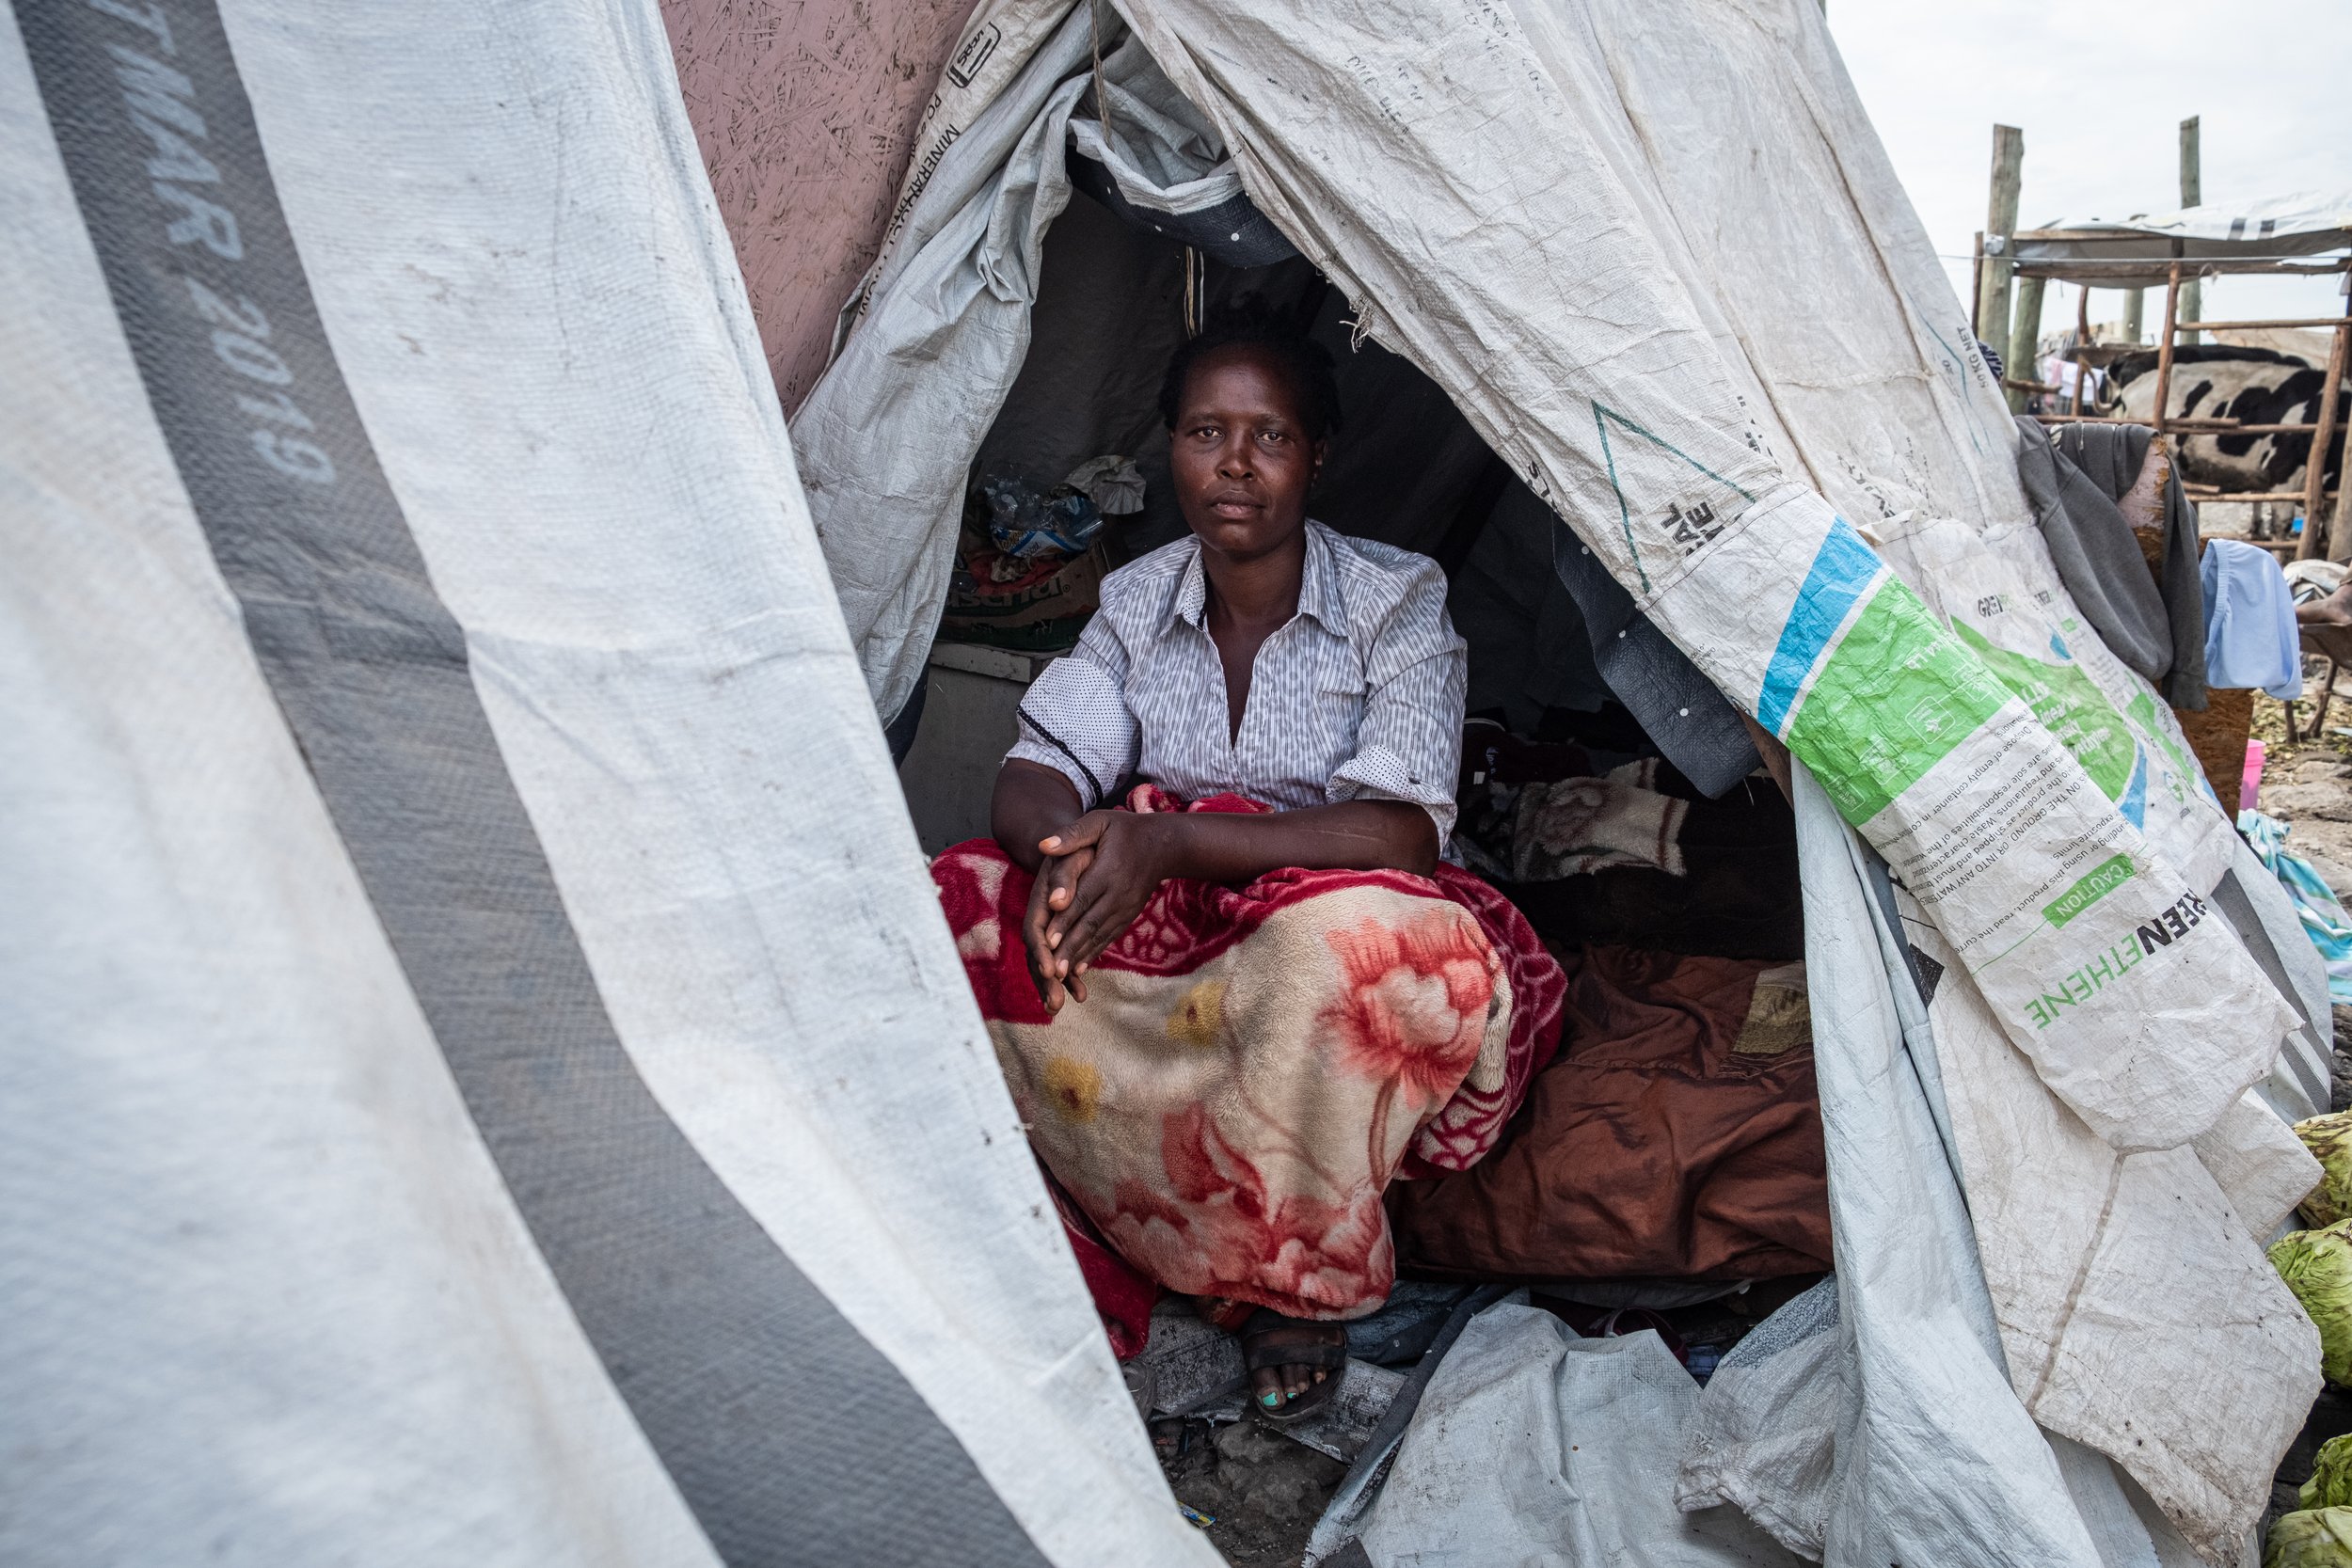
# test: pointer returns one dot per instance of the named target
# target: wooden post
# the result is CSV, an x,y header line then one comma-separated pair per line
x,y
2340,523
2135,315
2163,353
2192,194
2082,341
2024,340
2001,224
2315,468
1976,290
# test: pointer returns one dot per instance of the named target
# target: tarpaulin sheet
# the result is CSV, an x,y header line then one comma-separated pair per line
x,y
488,1078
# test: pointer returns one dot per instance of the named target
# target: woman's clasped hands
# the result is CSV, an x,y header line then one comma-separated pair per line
x,y
1097,875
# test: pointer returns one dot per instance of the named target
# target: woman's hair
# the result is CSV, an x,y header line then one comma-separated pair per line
x,y
1251,321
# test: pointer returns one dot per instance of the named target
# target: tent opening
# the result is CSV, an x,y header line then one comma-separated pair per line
x,y
1609,793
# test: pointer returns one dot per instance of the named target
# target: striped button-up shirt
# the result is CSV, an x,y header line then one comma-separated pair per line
x,y
1357,696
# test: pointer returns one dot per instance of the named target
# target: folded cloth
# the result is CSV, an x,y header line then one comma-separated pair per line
x,y
1575,827
2311,580
2250,640
1677,1136
1254,1064
2133,464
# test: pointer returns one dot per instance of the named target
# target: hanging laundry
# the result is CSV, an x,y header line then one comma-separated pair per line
x,y
2133,465
2097,556
2250,638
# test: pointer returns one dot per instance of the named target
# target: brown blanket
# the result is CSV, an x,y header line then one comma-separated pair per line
x,y
1677,1136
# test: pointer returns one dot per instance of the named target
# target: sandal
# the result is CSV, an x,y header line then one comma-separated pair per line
x,y
1270,1339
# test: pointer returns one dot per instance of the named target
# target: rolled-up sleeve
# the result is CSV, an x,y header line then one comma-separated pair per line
x,y
1075,719
1408,746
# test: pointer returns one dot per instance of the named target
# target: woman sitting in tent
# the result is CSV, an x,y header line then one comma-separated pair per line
x,y
1234,1002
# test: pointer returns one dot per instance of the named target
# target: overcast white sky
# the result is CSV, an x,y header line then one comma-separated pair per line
x,y
2100,87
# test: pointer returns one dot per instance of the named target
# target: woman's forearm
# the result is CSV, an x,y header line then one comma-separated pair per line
x,y
1358,835
1030,802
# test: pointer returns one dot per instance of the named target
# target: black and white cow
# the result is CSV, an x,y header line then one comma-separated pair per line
x,y
2254,386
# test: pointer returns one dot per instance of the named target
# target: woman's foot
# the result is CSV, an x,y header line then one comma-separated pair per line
x,y
1295,1365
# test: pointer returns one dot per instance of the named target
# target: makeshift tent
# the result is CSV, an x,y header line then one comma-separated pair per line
x,y
491,1079
1586,225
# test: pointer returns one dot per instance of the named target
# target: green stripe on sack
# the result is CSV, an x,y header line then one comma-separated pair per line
x,y
2096,883
1896,695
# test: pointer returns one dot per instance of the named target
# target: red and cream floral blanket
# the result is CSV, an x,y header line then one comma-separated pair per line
x,y
1255,1063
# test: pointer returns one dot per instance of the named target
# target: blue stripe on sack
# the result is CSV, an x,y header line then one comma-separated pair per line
x,y
2134,806
1843,570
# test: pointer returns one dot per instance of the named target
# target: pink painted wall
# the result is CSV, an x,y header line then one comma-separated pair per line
x,y
806,110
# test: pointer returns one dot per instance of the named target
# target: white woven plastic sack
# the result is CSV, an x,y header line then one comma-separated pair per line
x,y
1850,392
1997,590
2137,1313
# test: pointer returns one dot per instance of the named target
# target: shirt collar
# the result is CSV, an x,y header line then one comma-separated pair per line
x,y
1318,584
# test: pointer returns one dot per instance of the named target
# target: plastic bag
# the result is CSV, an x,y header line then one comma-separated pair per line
x,y
1026,525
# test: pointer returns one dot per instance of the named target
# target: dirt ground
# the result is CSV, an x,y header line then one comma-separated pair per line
x,y
2309,784
1265,1491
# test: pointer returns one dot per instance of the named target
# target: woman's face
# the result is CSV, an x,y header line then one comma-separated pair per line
x,y
1240,455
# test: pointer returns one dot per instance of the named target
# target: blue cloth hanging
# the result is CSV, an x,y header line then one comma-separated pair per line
x,y
2250,640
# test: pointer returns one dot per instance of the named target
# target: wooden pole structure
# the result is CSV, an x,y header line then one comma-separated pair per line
x,y
2164,351
2135,315
2024,340
2001,225
2192,194
2316,466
